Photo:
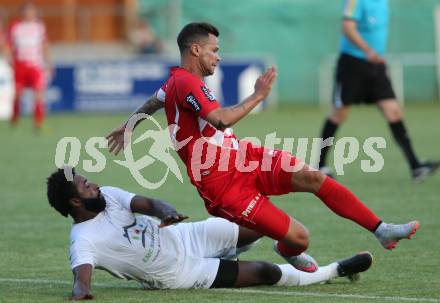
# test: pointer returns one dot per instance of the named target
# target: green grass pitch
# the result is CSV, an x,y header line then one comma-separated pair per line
x,y
34,238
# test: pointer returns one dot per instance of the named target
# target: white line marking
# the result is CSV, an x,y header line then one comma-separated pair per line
x,y
327,295
243,291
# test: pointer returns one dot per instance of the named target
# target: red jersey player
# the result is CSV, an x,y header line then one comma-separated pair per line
x,y
228,188
28,51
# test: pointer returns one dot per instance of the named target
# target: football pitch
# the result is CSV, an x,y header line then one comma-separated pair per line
x,y
34,241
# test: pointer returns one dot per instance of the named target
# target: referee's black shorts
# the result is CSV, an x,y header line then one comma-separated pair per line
x,y
359,81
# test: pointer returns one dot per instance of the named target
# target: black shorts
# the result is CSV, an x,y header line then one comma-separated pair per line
x,y
227,274
359,81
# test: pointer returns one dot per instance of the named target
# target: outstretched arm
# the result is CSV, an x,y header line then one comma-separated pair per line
x,y
150,106
157,208
221,118
82,277
116,136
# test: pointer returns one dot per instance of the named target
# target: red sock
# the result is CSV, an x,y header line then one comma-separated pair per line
x,y
288,251
344,203
15,110
38,113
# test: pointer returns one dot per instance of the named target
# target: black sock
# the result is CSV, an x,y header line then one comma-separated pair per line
x,y
328,130
401,136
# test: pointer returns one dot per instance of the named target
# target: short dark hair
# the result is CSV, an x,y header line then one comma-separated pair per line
x,y
192,32
60,191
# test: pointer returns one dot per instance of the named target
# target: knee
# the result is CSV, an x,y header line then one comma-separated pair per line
x,y
307,180
339,115
314,180
303,238
298,239
391,110
268,273
394,115
303,235
301,244
317,178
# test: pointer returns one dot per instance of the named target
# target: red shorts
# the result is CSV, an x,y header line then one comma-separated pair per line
x,y
241,197
27,75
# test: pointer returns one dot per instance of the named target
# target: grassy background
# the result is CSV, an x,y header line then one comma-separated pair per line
x,y
34,238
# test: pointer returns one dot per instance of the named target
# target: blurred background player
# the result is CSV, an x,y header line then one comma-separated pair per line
x,y
27,50
361,77
143,38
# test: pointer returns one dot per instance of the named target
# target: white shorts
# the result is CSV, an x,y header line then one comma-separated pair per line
x,y
205,243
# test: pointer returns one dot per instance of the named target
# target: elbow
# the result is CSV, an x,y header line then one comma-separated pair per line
x,y
346,30
221,124
220,118
348,27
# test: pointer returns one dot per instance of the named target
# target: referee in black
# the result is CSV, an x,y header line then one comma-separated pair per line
x,y
361,77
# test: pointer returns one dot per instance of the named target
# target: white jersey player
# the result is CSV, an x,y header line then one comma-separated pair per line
x,y
107,234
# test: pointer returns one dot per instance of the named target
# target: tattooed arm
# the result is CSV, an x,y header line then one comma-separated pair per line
x,y
116,137
150,106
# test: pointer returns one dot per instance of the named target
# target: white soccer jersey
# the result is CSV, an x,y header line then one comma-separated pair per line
x,y
27,39
134,247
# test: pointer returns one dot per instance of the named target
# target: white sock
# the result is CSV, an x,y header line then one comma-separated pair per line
x,y
380,229
290,276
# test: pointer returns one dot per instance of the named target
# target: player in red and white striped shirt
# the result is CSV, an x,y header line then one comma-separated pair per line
x,y
28,51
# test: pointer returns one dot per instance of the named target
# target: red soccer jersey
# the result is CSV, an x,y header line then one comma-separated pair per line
x,y
26,39
187,103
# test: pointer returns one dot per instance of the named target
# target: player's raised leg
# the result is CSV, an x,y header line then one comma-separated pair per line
x,y
344,203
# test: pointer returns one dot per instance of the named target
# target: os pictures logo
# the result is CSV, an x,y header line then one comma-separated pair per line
x,y
346,151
